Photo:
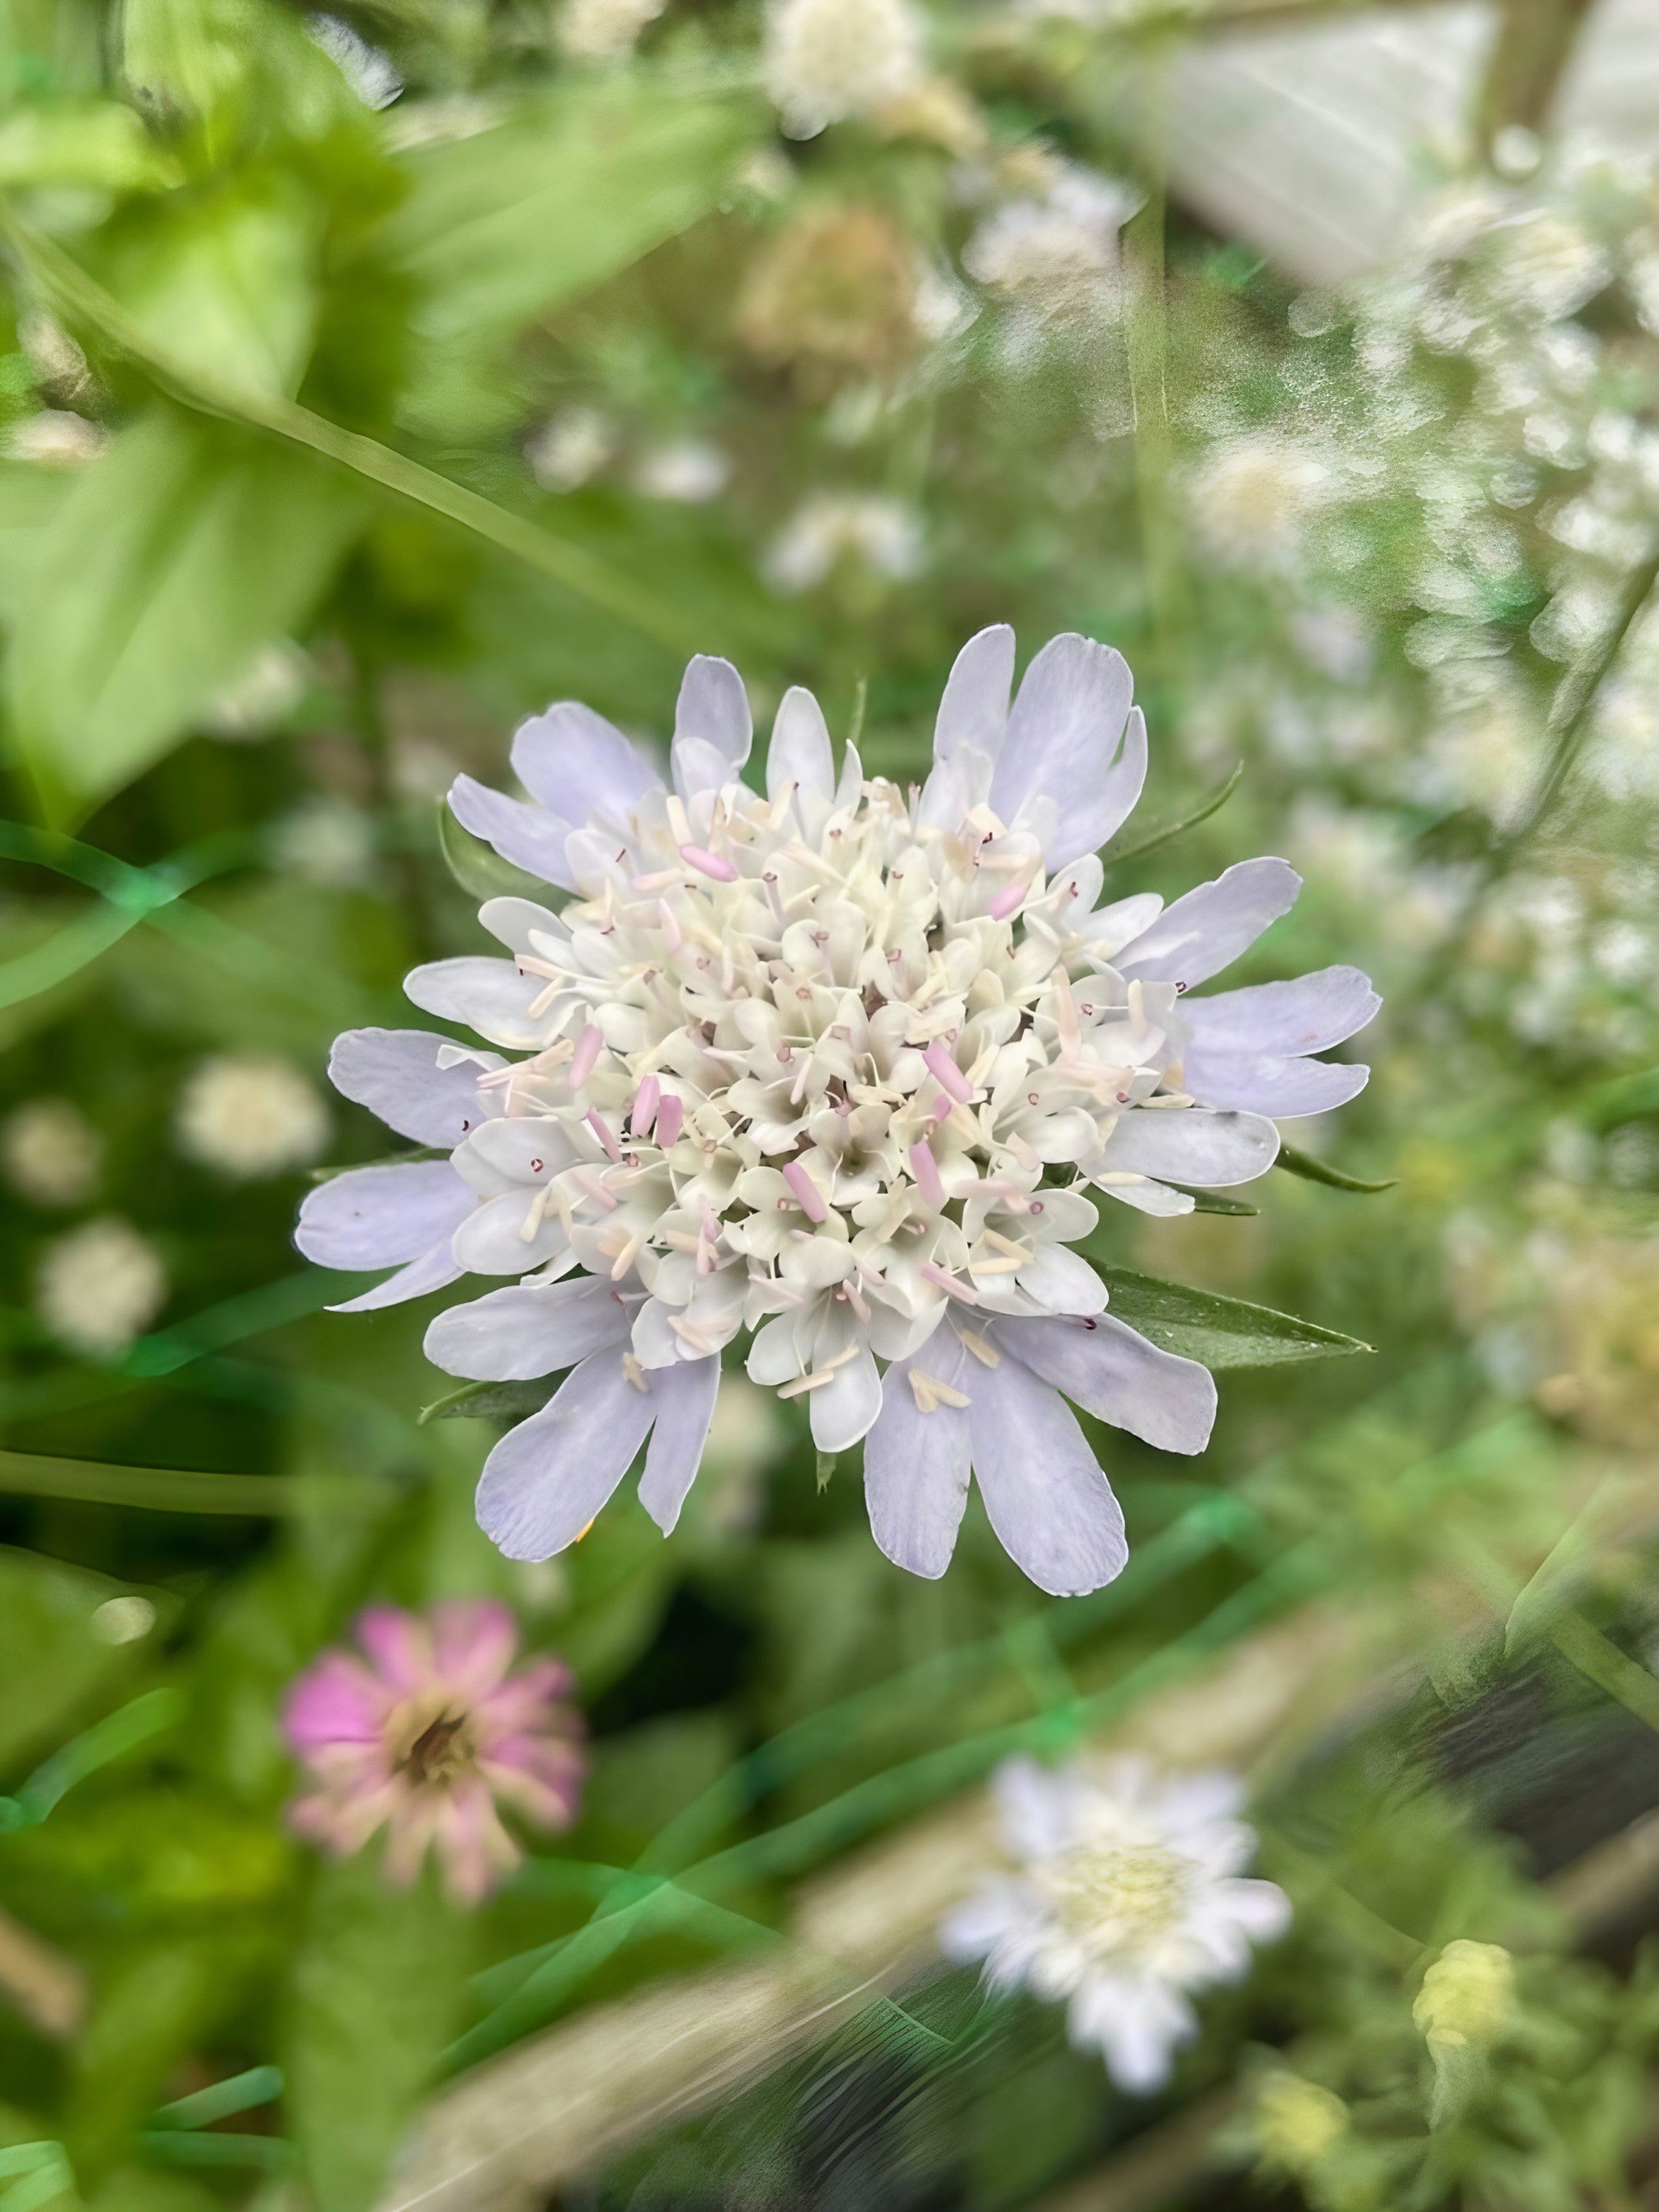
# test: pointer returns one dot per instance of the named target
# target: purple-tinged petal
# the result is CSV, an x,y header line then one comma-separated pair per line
x,y
1197,935
533,1328
1192,1145
1069,744
844,1408
381,1217
576,764
528,836
399,1645
800,752
1062,1280
1305,1014
395,1074
712,709
491,1240
1113,1372
974,710
1259,1083
473,1641
684,1397
1049,1503
434,1271
488,995
917,1467
549,1478
336,1701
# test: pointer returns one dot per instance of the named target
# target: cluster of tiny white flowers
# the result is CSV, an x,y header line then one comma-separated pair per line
x,y
826,60
883,1008
249,1115
1057,256
570,448
99,1286
50,1151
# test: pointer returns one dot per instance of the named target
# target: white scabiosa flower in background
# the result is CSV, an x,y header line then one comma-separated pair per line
x,y
684,470
1058,256
826,60
842,1068
99,1286
604,30
832,528
1250,499
248,1115
262,696
50,1153
570,448
1126,1898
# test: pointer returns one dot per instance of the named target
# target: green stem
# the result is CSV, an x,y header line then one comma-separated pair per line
x,y
1595,1655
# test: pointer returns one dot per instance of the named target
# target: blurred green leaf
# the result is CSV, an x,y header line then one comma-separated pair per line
x,y
501,228
51,1661
492,1402
1219,1332
225,284
378,1989
96,143
172,561
148,2009
186,55
29,498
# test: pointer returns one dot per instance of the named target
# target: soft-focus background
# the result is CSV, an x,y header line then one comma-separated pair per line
x,y
369,379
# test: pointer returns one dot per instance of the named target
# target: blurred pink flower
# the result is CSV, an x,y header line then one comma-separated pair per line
x,y
428,1736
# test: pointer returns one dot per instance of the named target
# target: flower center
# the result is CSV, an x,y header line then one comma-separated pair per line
x,y
1112,1896
432,1750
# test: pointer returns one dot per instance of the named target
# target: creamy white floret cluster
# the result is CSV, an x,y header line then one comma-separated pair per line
x,y
843,1068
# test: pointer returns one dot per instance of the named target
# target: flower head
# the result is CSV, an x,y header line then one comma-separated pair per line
x,y
1468,2001
843,1069
426,1734
605,30
866,529
1297,2124
50,1151
99,1286
828,59
248,1115
1057,256
1126,1897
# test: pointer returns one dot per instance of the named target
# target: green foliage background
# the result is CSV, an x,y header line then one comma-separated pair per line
x,y
321,342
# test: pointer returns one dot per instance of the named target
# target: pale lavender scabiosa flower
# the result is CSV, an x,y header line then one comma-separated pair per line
x,y
426,1734
1127,1897
844,1067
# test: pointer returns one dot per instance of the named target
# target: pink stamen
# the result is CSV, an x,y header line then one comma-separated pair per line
x,y
643,1112
696,856
601,1129
811,1204
948,1283
950,1077
670,1115
588,1052
924,1168
1007,902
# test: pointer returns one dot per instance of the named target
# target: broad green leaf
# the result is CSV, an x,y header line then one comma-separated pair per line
x,y
174,559
1219,1332
94,143
149,2007
51,1660
225,285
378,1989
30,495
186,55
501,228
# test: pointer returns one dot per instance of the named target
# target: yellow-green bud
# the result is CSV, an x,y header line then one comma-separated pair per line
x,y
1297,2124
1467,2002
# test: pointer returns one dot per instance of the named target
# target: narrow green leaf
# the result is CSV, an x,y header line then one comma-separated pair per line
x,y
492,1402
479,869
149,1489
1219,1332
378,1989
1150,843
1216,1201
1297,1163
181,553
